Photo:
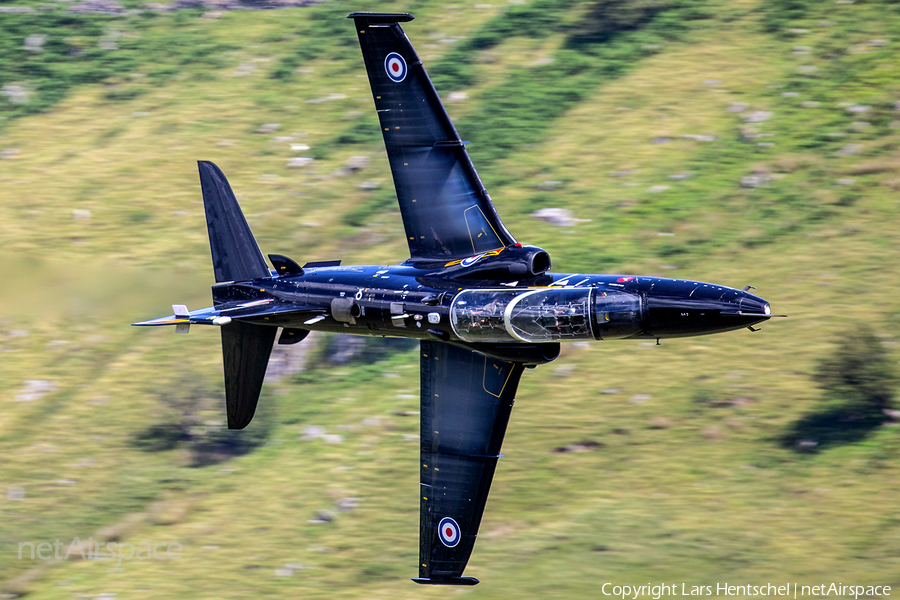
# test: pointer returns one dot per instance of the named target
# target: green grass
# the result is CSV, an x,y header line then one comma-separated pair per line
x,y
693,484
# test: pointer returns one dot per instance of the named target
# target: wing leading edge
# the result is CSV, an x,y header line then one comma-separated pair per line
x,y
447,213
466,401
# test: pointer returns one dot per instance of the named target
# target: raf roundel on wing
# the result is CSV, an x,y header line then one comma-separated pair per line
x,y
449,532
395,67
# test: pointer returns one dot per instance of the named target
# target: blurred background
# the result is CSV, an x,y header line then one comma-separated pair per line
x,y
744,142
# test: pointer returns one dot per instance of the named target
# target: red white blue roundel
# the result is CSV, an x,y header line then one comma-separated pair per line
x,y
395,67
468,262
449,532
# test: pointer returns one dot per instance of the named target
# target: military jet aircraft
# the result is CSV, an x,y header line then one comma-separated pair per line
x,y
484,306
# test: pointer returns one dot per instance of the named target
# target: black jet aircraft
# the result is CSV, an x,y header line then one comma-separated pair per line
x,y
484,306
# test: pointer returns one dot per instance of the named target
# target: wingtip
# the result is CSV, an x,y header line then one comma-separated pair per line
x,y
446,580
382,17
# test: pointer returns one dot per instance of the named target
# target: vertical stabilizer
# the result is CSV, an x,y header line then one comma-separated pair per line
x,y
235,253
245,350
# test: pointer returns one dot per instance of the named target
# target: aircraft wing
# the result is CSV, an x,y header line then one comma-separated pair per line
x,y
446,211
465,406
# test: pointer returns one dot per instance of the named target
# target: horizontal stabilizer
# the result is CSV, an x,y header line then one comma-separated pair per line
x,y
235,253
245,352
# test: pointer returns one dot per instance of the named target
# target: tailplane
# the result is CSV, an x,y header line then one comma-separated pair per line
x,y
246,344
235,253
245,350
236,257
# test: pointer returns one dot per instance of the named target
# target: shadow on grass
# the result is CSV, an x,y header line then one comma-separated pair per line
x,y
833,427
205,446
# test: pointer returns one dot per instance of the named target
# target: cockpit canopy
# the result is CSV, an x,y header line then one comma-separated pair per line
x,y
552,314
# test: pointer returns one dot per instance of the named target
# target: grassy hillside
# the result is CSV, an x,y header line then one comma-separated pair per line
x,y
750,142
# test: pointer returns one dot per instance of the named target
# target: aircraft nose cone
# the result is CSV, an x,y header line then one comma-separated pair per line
x,y
754,305
682,308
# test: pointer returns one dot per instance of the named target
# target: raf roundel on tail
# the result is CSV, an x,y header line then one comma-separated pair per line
x,y
483,306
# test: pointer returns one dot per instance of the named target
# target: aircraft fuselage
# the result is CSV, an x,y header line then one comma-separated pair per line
x,y
406,301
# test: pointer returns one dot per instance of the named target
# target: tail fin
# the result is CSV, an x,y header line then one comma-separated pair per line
x,y
245,349
235,253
